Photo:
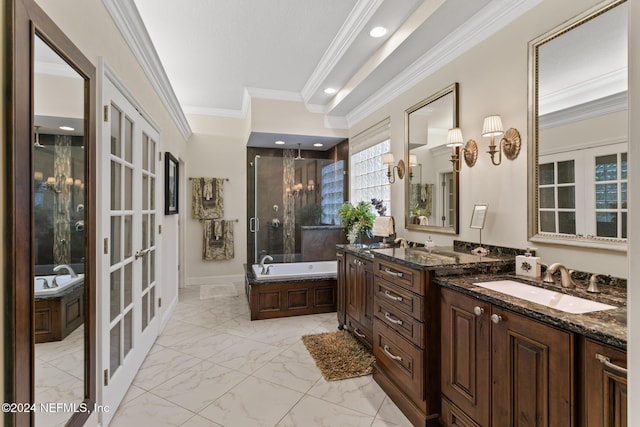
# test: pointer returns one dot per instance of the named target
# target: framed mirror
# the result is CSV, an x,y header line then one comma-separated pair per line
x,y
431,185
578,131
53,243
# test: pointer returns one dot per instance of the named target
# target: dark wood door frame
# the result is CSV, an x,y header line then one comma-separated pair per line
x,y
25,19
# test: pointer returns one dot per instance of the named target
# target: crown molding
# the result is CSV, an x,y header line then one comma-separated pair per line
x,y
481,26
588,110
360,15
128,21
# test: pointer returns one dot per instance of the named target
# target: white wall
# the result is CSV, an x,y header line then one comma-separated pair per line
x,y
633,295
495,86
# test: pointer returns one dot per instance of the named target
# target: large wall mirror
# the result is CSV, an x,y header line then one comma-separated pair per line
x,y
578,129
53,357
431,185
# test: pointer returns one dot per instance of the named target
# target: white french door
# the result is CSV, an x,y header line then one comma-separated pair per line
x,y
129,288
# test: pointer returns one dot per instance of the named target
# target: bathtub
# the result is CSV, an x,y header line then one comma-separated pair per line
x,y
296,269
291,289
63,282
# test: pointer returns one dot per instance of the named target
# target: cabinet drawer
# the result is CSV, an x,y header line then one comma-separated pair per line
x,y
399,298
400,275
400,360
360,332
400,322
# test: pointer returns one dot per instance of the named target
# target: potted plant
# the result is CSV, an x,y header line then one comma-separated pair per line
x,y
356,220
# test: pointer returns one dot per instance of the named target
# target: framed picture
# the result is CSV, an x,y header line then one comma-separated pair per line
x,y
170,184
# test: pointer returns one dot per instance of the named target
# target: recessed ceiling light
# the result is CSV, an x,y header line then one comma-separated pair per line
x,y
330,90
318,144
279,142
378,32
69,128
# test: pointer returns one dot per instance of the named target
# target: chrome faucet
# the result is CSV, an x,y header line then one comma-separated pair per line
x,y
45,284
565,275
264,270
65,267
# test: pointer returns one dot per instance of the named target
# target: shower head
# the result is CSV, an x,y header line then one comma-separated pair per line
x,y
298,157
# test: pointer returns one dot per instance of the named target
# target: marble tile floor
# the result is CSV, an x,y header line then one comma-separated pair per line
x,y
212,366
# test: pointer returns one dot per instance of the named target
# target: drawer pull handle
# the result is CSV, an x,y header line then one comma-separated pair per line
x,y
391,355
607,362
339,254
478,310
393,273
392,297
391,319
358,333
496,318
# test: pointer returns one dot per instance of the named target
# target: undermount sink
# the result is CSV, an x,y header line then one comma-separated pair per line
x,y
557,300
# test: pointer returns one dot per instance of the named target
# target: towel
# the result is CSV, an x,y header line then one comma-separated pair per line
x,y
383,226
217,241
206,198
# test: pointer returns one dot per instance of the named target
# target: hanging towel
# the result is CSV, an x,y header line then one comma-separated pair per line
x,y
206,198
217,239
383,226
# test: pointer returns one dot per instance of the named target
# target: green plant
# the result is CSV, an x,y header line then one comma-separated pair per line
x,y
356,219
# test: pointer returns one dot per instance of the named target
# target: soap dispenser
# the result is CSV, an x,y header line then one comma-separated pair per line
x,y
528,264
429,244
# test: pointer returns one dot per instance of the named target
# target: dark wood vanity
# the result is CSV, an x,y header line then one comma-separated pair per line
x,y
451,353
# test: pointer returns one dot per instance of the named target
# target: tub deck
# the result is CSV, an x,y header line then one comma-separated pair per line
x,y
290,296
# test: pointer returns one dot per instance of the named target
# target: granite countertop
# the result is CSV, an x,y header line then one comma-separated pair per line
x,y
608,326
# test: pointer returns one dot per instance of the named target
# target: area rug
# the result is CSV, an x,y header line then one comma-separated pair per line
x,y
218,291
339,355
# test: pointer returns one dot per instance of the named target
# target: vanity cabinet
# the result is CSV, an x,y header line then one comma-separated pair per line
x,y
500,368
406,341
605,385
358,297
340,288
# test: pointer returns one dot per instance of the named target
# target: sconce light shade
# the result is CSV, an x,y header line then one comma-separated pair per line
x,y
413,160
492,126
454,138
387,159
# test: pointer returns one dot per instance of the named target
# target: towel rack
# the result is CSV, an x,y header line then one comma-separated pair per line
x,y
214,219
191,178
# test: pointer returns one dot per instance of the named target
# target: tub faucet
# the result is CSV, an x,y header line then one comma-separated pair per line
x,y
565,276
402,241
264,270
66,267
45,284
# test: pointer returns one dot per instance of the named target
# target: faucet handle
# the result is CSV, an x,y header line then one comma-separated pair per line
x,y
593,283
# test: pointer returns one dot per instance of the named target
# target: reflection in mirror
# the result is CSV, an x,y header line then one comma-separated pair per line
x,y
431,190
59,234
578,125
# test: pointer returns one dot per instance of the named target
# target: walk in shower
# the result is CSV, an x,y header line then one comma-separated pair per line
x,y
294,200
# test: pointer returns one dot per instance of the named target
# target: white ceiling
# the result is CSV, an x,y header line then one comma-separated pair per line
x,y
214,55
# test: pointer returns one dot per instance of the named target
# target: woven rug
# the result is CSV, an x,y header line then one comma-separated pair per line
x,y
339,355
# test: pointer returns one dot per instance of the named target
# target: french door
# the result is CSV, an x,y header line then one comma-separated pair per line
x,y
129,288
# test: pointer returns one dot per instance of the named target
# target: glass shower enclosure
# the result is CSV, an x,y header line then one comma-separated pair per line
x,y
294,196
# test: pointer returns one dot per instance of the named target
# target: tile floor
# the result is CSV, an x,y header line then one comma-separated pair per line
x,y
212,366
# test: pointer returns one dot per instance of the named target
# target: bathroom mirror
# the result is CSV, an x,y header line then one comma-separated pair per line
x,y
578,130
431,185
52,245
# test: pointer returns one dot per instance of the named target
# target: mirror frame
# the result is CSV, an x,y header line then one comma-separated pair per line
x,y
532,150
27,21
451,89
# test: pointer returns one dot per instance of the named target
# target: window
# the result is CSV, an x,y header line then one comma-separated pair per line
x,y
368,174
332,191
584,192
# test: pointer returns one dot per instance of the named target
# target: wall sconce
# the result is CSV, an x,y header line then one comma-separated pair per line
x,y
387,159
509,143
413,162
470,149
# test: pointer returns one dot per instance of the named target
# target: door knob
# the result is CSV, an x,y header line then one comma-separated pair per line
x,y
496,318
141,253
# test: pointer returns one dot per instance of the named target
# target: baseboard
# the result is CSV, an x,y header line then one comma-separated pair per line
x,y
168,313
214,280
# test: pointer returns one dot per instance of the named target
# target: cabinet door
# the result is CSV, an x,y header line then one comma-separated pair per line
x,y
605,380
465,350
532,372
340,288
366,278
353,294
